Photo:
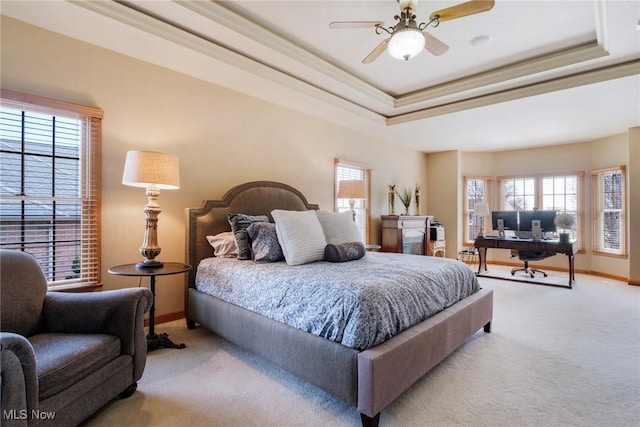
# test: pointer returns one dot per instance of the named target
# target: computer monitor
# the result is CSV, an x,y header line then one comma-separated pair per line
x,y
509,220
545,217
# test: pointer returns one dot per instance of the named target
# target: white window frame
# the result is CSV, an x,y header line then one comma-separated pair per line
x,y
532,196
471,230
599,211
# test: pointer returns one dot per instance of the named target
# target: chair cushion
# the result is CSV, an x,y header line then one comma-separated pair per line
x,y
64,359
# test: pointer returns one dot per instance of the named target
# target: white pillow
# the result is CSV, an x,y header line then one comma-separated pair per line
x,y
224,244
300,236
339,227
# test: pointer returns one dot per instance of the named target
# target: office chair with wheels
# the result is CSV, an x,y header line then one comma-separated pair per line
x,y
527,256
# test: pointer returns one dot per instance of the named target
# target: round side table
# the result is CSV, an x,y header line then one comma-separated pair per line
x,y
154,340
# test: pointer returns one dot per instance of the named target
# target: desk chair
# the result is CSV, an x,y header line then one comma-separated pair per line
x,y
527,256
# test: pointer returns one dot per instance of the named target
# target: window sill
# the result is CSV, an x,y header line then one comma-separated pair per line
x,y
82,287
610,255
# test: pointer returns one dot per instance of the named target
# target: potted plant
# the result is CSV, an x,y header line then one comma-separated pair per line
x,y
564,222
405,198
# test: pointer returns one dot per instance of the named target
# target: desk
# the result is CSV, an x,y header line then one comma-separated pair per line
x,y
569,249
153,340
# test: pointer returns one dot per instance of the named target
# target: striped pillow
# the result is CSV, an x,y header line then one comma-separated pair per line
x,y
300,236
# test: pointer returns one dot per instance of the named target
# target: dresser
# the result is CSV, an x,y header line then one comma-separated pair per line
x,y
406,234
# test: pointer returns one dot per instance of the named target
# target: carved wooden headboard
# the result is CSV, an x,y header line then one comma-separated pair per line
x,y
252,198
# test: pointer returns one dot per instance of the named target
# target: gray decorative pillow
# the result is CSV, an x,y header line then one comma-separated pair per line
x,y
239,224
344,252
264,242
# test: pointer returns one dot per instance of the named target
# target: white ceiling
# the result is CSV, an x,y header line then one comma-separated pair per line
x,y
555,72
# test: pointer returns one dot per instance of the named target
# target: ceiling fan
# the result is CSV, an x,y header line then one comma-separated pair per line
x,y
407,37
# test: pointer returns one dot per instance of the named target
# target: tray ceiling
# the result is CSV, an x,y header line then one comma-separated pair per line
x,y
553,72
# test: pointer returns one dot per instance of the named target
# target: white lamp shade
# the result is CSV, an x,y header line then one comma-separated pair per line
x,y
406,43
481,209
151,169
352,189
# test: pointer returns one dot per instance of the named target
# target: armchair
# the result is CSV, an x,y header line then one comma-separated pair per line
x,y
65,355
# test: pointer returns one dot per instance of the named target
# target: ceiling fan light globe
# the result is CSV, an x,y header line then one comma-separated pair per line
x,y
406,43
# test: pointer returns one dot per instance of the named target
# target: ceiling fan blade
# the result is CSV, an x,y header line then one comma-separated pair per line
x,y
339,25
434,45
376,52
462,9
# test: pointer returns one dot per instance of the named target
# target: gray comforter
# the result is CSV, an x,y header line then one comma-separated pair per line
x,y
359,303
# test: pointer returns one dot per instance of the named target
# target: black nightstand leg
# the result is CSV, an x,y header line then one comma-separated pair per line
x,y
155,341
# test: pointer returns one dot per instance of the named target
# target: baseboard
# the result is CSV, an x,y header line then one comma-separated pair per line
x,y
167,317
634,283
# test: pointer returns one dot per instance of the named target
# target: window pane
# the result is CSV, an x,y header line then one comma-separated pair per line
x,y
475,195
609,205
611,235
529,203
560,194
519,194
557,193
353,173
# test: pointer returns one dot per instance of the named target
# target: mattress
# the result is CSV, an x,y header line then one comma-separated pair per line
x,y
358,304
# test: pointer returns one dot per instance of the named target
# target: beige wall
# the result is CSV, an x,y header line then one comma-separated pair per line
x,y
444,195
584,157
222,138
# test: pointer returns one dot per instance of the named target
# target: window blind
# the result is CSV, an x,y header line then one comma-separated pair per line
x,y
477,191
347,171
609,211
50,186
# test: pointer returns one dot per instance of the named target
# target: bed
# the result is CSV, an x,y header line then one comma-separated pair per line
x,y
368,377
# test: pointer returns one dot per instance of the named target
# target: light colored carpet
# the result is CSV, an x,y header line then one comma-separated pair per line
x,y
556,357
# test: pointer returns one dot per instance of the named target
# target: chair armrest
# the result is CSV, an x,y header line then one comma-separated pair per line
x,y
19,384
118,312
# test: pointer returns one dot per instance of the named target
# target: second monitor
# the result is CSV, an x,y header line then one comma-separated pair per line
x,y
546,218
504,220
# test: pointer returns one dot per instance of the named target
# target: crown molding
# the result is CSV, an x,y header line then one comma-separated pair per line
x,y
528,67
218,13
611,72
125,14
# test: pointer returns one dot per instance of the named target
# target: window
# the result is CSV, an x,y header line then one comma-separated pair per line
x,y
347,171
559,192
477,191
50,186
519,194
609,211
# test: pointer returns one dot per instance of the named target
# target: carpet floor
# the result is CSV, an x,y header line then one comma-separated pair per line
x,y
555,357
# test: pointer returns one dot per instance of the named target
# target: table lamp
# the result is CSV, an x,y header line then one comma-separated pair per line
x,y
152,171
481,210
352,189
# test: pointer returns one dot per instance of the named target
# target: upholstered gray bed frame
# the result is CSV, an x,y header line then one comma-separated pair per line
x,y
369,379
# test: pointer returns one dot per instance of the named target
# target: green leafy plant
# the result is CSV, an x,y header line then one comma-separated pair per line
x,y
405,197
